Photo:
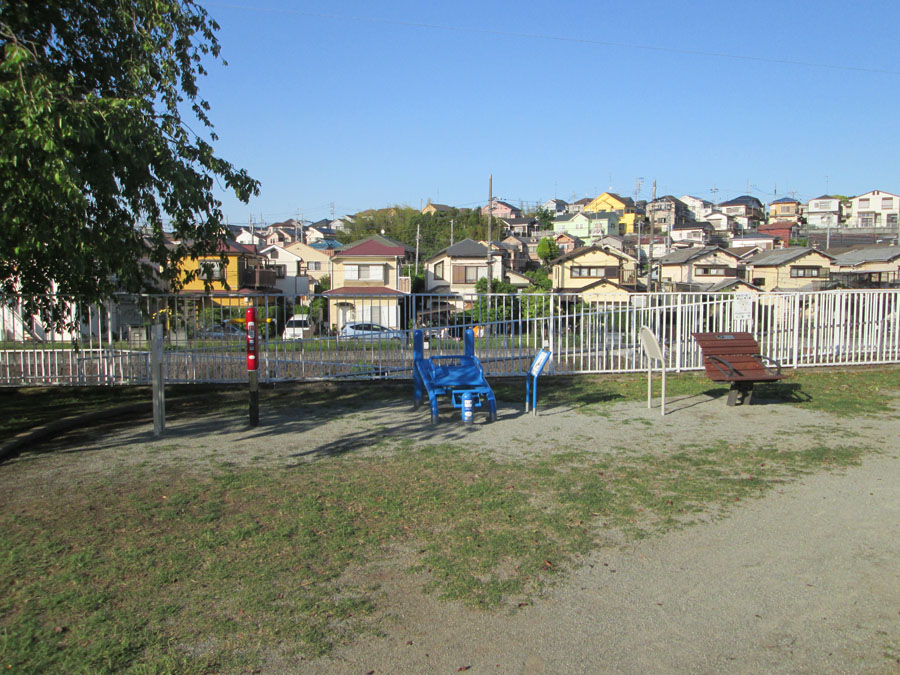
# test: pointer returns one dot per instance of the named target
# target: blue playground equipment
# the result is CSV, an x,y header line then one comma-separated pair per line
x,y
461,376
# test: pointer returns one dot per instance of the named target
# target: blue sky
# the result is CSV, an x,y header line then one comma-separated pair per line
x,y
362,105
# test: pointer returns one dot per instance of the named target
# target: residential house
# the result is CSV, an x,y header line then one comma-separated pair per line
x,y
555,206
578,206
321,229
691,234
501,209
623,206
279,236
456,269
243,271
588,225
522,227
789,269
698,208
518,252
867,267
786,209
782,230
825,211
874,209
722,223
593,268
250,237
290,271
367,283
315,261
566,242
431,209
698,269
747,211
765,242
666,212
341,224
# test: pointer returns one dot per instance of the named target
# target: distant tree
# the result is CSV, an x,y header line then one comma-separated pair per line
x,y
547,250
95,155
544,217
540,279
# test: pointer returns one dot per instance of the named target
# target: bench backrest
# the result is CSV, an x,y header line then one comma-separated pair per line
x,y
739,350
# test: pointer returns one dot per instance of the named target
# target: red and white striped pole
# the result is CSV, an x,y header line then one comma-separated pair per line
x,y
252,365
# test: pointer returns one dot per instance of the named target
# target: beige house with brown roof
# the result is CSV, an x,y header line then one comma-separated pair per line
x,y
789,269
586,266
314,262
367,283
695,269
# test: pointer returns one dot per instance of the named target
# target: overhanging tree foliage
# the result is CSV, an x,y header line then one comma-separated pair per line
x,y
95,154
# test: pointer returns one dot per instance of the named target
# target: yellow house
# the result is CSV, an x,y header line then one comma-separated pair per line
x,y
623,206
870,267
582,268
366,283
789,269
697,268
315,261
243,272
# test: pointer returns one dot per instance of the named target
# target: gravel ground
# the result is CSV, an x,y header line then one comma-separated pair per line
x,y
806,579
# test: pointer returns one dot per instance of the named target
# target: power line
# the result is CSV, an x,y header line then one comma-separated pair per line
x,y
556,38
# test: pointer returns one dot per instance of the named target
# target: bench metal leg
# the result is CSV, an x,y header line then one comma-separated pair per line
x,y
744,390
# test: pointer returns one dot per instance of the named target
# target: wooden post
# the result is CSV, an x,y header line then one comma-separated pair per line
x,y
156,378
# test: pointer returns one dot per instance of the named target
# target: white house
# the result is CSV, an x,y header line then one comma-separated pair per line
x,y
290,271
698,208
874,209
824,211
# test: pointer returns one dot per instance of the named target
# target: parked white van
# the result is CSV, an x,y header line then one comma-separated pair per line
x,y
297,327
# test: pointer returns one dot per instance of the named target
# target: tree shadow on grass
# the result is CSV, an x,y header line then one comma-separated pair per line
x,y
291,422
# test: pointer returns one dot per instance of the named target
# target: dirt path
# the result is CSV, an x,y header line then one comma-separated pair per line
x,y
806,579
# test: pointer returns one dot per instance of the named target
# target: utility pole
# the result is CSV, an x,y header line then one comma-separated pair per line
x,y
650,250
417,247
715,191
452,223
490,225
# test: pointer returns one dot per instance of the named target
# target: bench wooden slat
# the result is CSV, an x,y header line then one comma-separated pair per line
x,y
735,358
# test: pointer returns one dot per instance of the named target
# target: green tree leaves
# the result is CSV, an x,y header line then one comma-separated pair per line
x,y
95,156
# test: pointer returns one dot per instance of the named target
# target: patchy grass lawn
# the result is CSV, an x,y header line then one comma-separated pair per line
x,y
179,572
183,571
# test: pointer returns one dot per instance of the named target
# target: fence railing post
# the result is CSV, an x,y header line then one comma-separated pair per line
x,y
156,378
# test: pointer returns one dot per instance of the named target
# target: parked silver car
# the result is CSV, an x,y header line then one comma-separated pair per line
x,y
371,331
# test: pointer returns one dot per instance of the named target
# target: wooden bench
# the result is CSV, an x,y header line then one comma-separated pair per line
x,y
735,358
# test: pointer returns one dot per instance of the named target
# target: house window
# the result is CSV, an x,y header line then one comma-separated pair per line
x,y
808,271
867,219
314,265
759,281
364,273
468,274
273,254
212,270
712,271
595,272
887,203
280,271
892,219
439,270
864,203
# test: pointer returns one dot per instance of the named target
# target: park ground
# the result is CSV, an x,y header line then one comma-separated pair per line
x,y
347,534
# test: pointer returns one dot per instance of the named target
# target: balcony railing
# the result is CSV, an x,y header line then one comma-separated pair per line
x,y
258,277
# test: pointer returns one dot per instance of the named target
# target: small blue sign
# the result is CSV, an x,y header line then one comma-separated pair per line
x,y
537,366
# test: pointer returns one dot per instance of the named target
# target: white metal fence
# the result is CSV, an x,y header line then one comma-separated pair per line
x,y
369,337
